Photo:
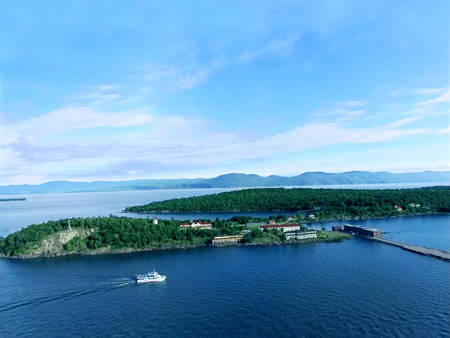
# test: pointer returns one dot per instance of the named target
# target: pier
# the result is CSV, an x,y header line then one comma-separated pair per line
x,y
441,254
373,234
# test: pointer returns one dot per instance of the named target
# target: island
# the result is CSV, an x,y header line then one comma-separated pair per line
x,y
12,199
102,235
317,204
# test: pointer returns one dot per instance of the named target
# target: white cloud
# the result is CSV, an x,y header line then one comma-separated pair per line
x,y
444,131
171,142
429,91
419,91
445,97
60,145
402,122
75,118
96,95
342,111
178,78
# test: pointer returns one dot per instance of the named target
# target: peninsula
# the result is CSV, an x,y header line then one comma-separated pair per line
x,y
319,204
103,235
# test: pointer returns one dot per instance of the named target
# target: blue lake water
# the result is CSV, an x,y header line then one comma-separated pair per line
x,y
431,231
353,288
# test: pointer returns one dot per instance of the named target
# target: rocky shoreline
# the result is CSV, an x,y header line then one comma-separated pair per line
x,y
109,251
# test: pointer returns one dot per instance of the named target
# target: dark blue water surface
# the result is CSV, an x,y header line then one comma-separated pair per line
x,y
353,288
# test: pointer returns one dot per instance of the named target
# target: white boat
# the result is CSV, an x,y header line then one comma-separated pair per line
x,y
151,277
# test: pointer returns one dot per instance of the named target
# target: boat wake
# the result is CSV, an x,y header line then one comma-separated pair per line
x,y
101,287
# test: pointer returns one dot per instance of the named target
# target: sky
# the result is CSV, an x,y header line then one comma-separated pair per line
x,y
119,90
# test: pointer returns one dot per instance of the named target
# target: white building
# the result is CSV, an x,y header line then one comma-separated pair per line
x,y
197,224
300,234
283,227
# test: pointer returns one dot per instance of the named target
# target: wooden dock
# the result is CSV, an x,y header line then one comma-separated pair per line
x,y
441,254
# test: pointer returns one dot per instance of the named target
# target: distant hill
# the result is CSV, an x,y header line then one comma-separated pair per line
x,y
231,181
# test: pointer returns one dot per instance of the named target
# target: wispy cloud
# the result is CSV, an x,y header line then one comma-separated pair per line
x,y
419,91
275,46
96,95
168,143
403,122
444,97
71,142
178,78
444,131
342,111
76,118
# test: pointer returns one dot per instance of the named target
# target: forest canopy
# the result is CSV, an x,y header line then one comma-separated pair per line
x,y
324,202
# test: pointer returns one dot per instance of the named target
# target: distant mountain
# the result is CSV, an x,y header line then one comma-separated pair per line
x,y
231,181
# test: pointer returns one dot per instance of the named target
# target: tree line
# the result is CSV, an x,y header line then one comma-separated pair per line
x,y
114,233
323,202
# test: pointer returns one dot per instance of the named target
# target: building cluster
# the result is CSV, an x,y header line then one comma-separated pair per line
x,y
291,230
197,224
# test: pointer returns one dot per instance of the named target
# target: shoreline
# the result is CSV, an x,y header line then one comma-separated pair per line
x,y
108,251
344,218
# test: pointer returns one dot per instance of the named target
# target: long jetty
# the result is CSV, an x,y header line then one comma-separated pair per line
x,y
441,254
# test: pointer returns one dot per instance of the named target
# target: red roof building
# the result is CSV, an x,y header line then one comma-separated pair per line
x,y
197,224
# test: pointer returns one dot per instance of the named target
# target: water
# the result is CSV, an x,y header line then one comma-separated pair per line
x,y
354,288
431,231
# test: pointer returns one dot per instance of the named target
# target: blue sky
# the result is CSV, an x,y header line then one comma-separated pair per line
x,y
109,90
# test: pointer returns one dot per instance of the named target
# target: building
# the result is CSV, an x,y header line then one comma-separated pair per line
x,y
197,224
336,228
271,221
155,221
398,208
414,205
226,240
283,227
300,234
369,232
311,216
202,225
